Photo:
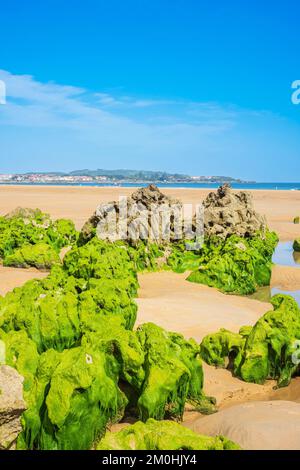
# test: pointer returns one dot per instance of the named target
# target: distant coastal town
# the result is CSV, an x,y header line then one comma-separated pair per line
x,y
111,176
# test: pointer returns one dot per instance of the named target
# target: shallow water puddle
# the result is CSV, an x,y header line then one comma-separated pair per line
x,y
264,294
285,255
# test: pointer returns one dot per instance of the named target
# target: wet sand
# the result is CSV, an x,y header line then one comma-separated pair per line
x,y
194,310
286,277
14,277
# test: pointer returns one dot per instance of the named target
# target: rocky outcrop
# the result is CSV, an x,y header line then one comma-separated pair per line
x,y
138,217
12,406
227,212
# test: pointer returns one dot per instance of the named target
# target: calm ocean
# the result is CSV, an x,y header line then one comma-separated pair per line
x,y
270,186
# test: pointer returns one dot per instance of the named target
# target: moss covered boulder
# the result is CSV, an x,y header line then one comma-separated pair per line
x,y
269,350
173,374
40,256
236,265
220,348
162,435
102,260
57,310
23,229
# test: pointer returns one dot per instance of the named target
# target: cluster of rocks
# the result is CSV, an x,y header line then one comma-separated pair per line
x,y
139,216
12,406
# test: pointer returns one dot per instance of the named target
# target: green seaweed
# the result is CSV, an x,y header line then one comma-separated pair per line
x,y
40,256
30,238
49,317
269,350
219,348
162,435
74,396
101,260
236,265
173,373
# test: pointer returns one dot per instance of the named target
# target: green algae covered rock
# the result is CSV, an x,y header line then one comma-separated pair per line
x,y
102,260
49,317
71,340
74,396
83,397
77,392
104,297
40,256
272,344
20,352
296,245
181,260
296,220
218,348
23,229
269,350
55,311
173,374
236,265
110,335
145,256
162,435
62,233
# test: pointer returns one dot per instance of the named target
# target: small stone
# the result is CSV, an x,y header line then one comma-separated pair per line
x,y
12,406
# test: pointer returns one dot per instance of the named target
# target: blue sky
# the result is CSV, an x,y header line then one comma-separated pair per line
x,y
190,86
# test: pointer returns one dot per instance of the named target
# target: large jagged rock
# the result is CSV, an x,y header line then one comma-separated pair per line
x,y
137,218
12,406
227,213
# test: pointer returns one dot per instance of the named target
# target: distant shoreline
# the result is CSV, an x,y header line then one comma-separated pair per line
x,y
238,186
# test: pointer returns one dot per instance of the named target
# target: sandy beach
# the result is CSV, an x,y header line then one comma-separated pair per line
x,y
166,298
78,203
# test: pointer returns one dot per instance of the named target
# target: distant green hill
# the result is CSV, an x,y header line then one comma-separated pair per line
x,y
131,176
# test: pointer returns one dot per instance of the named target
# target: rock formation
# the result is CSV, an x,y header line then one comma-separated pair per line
x,y
12,406
138,217
227,213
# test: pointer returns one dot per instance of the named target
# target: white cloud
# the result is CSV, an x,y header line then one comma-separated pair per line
x,y
174,135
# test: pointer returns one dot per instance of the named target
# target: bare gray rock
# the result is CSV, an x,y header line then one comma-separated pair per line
x,y
227,212
146,214
12,406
